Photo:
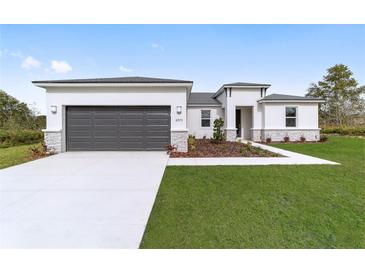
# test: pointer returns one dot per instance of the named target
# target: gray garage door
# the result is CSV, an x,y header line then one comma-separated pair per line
x,y
117,128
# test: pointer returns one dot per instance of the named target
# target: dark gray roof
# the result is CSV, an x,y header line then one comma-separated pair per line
x,y
283,97
239,84
134,79
202,98
244,84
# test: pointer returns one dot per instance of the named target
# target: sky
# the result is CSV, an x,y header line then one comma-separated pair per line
x,y
289,57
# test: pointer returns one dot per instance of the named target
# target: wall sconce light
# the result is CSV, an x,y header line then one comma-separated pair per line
x,y
178,109
54,109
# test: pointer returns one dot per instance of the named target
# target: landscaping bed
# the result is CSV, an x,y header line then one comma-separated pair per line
x,y
207,148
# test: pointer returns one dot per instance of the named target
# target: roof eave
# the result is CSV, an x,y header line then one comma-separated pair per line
x,y
219,92
292,101
46,85
204,105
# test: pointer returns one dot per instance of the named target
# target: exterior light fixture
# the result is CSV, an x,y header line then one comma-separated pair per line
x,y
178,109
54,109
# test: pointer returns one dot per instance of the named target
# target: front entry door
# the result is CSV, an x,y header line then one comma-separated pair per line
x,y
238,123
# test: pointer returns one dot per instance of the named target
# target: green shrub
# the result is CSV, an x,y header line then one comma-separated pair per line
x,y
218,134
192,142
323,138
10,138
354,131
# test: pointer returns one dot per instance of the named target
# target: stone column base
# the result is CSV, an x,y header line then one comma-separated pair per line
x,y
230,134
179,138
53,140
256,135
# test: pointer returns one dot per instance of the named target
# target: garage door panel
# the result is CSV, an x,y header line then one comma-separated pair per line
x,y
132,122
105,122
156,122
156,128
117,128
81,122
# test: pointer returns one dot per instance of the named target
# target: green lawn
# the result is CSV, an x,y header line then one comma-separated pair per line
x,y
265,206
15,155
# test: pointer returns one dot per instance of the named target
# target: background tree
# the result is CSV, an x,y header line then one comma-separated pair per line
x,y
18,115
343,95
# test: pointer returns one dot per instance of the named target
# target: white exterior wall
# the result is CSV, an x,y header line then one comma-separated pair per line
x,y
244,97
246,122
116,96
194,121
307,115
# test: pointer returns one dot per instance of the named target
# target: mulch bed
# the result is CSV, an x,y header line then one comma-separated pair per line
x,y
206,148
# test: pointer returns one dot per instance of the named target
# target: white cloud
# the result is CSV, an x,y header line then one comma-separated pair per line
x,y
17,54
60,66
125,69
30,63
157,46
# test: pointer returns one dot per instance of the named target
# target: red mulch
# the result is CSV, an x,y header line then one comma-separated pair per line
x,y
206,148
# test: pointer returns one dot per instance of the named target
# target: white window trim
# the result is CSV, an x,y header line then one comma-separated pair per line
x,y
296,116
210,119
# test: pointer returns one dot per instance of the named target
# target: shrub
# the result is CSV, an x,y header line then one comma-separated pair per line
x,y
323,138
218,135
192,142
38,151
354,131
170,148
302,139
19,137
268,140
286,139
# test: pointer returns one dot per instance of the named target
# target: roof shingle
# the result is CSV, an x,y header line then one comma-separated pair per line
x,y
202,98
134,79
283,97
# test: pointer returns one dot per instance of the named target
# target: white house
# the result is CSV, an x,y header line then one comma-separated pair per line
x,y
139,113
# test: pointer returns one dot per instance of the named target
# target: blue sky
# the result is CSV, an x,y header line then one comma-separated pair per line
x,y
289,57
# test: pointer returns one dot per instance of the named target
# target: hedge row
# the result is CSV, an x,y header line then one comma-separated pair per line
x,y
354,131
19,137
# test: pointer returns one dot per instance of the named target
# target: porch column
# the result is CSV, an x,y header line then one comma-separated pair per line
x,y
230,118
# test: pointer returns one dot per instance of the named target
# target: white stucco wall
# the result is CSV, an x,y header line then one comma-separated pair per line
x,y
307,115
244,97
194,121
117,96
246,122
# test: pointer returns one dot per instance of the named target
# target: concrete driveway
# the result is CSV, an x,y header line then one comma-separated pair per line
x,y
79,200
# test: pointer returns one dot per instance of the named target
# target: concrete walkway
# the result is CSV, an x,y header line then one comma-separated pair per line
x,y
290,158
79,200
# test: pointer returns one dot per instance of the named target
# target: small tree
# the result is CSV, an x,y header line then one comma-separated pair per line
x,y
218,135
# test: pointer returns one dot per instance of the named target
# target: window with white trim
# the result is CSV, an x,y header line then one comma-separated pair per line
x,y
290,116
205,118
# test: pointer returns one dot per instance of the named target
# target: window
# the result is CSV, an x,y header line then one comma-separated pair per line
x,y
290,116
205,114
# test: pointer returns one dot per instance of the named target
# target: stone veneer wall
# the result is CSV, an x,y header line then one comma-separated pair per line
x,y
53,140
180,140
278,135
231,135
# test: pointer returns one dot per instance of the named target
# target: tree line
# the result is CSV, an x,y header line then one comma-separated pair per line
x,y
15,115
